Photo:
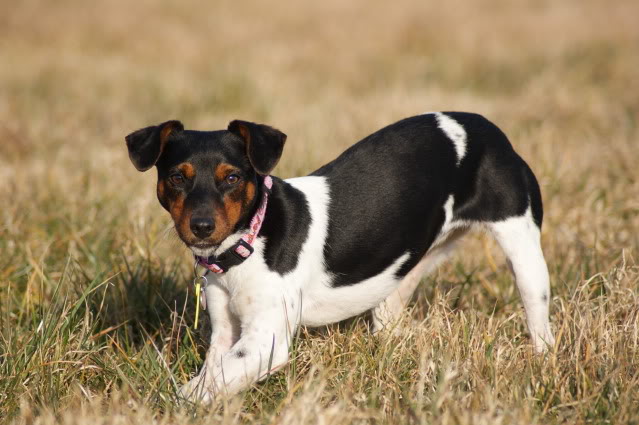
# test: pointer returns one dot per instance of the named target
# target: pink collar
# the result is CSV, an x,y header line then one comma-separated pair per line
x,y
243,248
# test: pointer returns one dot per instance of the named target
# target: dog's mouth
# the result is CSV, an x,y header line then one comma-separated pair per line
x,y
203,249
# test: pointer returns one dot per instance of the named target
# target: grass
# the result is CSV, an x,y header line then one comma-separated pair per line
x,y
95,303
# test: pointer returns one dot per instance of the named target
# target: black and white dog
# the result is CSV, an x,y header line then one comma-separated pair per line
x,y
357,234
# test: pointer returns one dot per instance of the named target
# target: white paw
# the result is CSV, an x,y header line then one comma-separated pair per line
x,y
543,341
197,390
398,328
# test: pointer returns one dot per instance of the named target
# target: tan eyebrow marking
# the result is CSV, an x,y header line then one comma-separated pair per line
x,y
187,169
223,170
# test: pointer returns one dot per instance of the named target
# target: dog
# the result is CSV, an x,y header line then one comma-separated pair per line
x,y
357,234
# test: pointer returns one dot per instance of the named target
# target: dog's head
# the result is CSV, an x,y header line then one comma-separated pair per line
x,y
207,180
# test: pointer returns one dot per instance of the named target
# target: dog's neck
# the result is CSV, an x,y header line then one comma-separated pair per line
x,y
284,229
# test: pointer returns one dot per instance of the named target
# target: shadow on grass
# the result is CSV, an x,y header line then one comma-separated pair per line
x,y
145,315
99,333
149,302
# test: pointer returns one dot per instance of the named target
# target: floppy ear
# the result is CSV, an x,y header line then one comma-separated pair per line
x,y
264,144
146,145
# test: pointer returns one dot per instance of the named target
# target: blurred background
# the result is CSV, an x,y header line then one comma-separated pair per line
x,y
561,78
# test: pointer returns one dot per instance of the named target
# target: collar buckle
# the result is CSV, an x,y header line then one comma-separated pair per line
x,y
242,249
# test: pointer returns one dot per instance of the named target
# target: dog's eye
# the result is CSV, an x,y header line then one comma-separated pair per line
x,y
232,178
176,179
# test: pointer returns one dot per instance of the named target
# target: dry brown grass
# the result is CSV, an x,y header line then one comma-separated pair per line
x,y
93,286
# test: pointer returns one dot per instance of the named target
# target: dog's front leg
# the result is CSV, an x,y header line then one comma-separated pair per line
x,y
267,330
225,332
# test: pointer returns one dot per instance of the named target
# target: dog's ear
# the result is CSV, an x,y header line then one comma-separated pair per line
x,y
146,145
264,144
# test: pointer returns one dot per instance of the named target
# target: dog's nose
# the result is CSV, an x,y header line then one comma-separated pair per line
x,y
202,227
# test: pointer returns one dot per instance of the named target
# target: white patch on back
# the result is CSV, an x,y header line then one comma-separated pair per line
x,y
448,210
455,132
449,224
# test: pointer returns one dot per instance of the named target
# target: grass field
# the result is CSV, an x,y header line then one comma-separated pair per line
x,y
95,318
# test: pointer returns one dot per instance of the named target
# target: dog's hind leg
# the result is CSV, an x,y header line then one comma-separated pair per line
x,y
390,310
519,237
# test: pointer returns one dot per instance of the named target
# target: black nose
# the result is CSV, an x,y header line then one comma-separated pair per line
x,y
202,227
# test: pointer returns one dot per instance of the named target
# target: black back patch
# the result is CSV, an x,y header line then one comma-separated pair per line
x,y
386,195
387,192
